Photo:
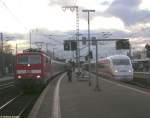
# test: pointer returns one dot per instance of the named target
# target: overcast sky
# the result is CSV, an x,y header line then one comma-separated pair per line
x,y
22,15
123,18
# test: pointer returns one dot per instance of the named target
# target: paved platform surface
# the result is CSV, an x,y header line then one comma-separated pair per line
x,y
78,100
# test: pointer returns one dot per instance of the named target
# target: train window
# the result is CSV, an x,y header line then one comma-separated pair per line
x,y
22,59
121,62
34,59
104,64
100,65
31,59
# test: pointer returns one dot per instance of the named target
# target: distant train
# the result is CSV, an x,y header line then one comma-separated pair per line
x,y
118,67
35,68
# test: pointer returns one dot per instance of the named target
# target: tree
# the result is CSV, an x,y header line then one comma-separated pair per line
x,y
147,47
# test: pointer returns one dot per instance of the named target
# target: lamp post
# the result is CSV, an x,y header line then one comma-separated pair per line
x,y
89,60
30,38
54,53
97,88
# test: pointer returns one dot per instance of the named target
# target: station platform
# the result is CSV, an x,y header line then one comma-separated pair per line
x,y
77,99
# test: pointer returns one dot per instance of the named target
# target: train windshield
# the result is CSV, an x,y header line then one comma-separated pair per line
x,y
29,59
121,62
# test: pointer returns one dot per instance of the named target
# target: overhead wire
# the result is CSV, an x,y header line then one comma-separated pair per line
x,y
49,37
13,15
75,2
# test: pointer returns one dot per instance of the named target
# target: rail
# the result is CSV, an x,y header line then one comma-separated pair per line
x,y
6,85
17,106
10,101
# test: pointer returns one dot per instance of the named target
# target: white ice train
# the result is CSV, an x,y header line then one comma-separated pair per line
x,y
118,67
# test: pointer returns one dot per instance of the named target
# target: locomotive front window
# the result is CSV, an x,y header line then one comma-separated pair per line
x,y
121,62
22,59
34,59
29,59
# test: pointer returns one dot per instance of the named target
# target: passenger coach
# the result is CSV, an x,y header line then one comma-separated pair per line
x,y
118,67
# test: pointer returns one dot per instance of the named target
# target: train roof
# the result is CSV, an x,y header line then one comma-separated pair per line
x,y
32,51
115,57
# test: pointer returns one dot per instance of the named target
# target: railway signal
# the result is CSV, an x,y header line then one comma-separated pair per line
x,y
73,45
93,40
83,40
66,45
70,45
122,44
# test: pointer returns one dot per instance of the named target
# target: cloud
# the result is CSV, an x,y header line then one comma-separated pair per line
x,y
128,11
144,32
105,3
60,2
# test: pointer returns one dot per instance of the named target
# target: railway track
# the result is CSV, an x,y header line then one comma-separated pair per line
x,y
133,82
14,103
18,105
7,85
8,90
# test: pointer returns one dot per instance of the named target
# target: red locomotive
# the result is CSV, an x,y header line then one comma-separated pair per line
x,y
35,68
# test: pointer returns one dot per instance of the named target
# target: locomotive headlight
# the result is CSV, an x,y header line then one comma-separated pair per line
x,y
130,71
28,65
38,76
19,76
116,71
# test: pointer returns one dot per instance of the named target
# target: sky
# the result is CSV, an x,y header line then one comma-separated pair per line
x,y
123,18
